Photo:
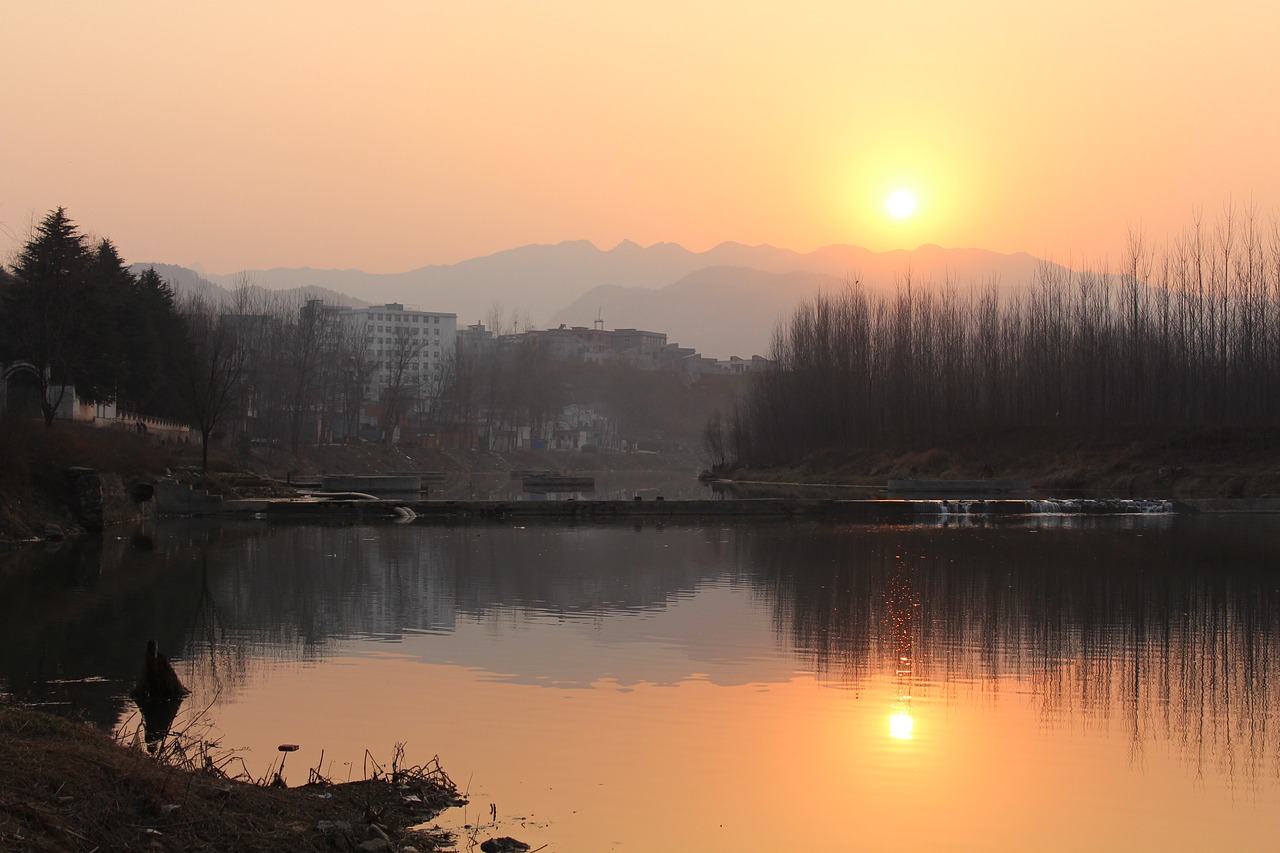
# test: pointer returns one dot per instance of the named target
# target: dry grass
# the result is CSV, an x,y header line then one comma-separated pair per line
x,y
67,787
34,490
1199,464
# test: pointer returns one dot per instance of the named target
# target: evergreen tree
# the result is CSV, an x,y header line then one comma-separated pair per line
x,y
45,311
8,347
102,361
152,337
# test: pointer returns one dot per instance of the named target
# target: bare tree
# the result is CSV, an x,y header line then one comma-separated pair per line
x,y
310,340
211,367
1184,341
356,365
713,442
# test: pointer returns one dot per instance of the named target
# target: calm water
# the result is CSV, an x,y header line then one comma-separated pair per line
x,y
1036,685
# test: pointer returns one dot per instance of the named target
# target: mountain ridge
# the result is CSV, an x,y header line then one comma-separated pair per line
x,y
654,286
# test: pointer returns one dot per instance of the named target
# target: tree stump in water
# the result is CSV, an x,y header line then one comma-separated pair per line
x,y
158,694
158,681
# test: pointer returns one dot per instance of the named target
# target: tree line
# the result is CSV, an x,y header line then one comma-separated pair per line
x,y
256,366
75,319
1184,335
79,318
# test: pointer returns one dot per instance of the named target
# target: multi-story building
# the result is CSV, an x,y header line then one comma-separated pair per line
x,y
755,364
476,342
638,341
416,342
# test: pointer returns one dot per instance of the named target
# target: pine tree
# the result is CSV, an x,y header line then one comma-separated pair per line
x,y
154,335
102,361
45,309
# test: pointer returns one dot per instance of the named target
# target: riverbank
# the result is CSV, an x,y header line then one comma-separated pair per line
x,y
66,786
38,500
1211,464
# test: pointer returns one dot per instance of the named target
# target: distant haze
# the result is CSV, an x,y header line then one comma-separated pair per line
x,y
722,302
387,135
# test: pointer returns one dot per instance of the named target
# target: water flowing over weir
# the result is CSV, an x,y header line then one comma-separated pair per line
x,y
1068,506
869,510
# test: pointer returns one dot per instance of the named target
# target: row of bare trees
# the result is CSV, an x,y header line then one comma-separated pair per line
x,y
1186,335
275,369
292,372
499,386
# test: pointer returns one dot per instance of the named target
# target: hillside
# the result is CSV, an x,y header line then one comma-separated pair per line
x,y
720,311
722,301
187,281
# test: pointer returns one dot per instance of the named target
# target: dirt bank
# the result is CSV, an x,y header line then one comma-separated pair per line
x,y
39,499
68,787
1207,464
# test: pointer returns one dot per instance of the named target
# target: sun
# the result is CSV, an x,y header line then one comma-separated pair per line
x,y
900,204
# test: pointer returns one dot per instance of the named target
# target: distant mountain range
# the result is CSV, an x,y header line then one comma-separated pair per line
x,y
184,280
724,301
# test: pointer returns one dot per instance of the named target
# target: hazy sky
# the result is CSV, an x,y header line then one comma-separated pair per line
x,y
387,136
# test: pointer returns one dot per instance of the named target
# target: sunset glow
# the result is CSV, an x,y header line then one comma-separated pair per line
x,y
390,136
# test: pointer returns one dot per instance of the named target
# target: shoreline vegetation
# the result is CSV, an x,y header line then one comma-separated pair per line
x,y
65,786
1161,374
1204,464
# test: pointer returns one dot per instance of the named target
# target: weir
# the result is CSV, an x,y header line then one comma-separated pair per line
x,y
899,511
1069,506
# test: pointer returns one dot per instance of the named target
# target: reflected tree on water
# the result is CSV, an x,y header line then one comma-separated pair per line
x,y
1184,654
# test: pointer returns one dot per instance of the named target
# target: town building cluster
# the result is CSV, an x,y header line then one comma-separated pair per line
x,y
393,373
597,345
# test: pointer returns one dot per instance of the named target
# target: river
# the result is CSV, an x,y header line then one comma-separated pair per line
x,y
1042,683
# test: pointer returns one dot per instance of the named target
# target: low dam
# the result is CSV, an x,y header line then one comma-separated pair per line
x,y
175,502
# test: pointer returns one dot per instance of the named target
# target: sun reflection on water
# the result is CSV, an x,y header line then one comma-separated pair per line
x,y
901,723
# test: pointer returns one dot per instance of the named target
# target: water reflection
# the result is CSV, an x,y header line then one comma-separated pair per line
x,y
1165,628
1169,631
900,606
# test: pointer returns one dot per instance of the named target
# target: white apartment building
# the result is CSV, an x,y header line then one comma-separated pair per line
x,y
426,337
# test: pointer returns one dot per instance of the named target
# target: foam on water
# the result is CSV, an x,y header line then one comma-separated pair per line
x,y
1067,506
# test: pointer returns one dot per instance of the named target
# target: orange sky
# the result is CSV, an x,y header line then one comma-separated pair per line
x,y
386,136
